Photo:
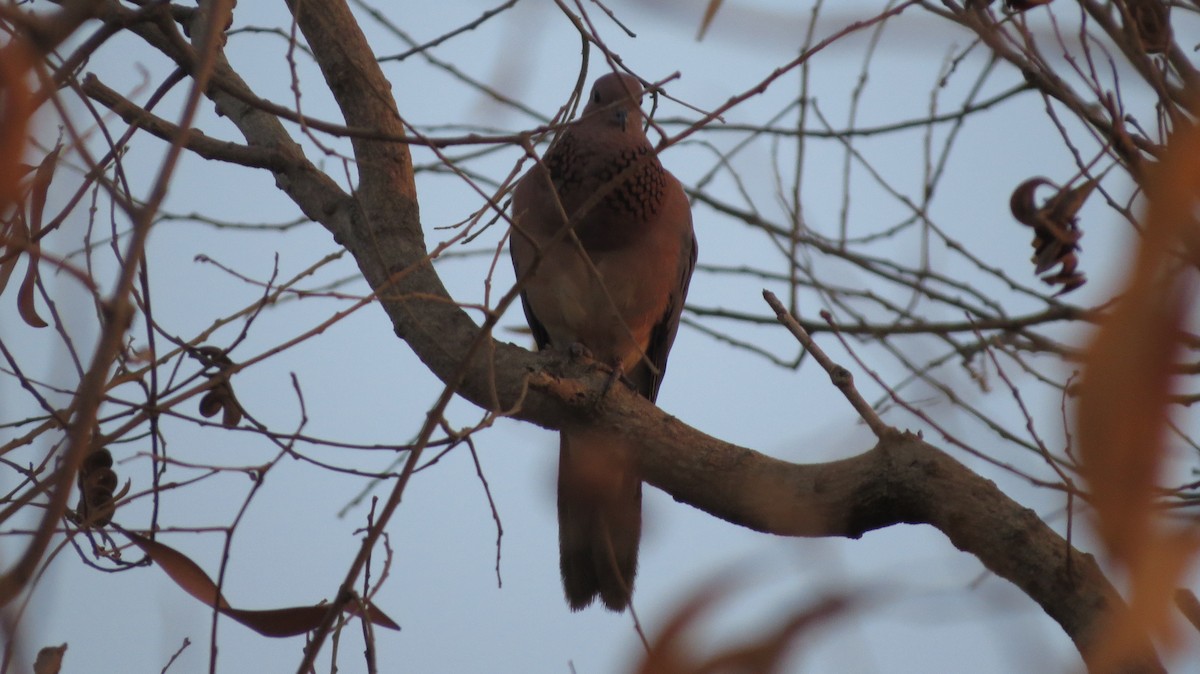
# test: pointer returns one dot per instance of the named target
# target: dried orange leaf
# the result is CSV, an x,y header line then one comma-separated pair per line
x,y
1189,606
284,622
1125,394
1123,411
673,652
1152,590
16,107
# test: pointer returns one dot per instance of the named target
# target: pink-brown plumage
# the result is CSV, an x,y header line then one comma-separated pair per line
x,y
617,287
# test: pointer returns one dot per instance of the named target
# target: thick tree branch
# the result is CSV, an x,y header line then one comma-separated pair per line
x,y
902,480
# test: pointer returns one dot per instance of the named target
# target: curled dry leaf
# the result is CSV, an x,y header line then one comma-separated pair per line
x,y
283,622
1055,229
1125,397
97,490
220,397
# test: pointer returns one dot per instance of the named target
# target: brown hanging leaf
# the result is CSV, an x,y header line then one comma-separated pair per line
x,y
232,415
284,622
25,296
40,188
49,660
296,620
1125,394
97,486
1055,229
210,404
28,239
220,397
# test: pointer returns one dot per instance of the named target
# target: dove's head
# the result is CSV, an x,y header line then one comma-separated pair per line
x,y
616,99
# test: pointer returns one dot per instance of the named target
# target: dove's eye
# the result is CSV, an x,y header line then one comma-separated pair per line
x,y
595,96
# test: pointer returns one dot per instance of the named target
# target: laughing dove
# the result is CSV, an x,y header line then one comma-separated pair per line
x,y
614,285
